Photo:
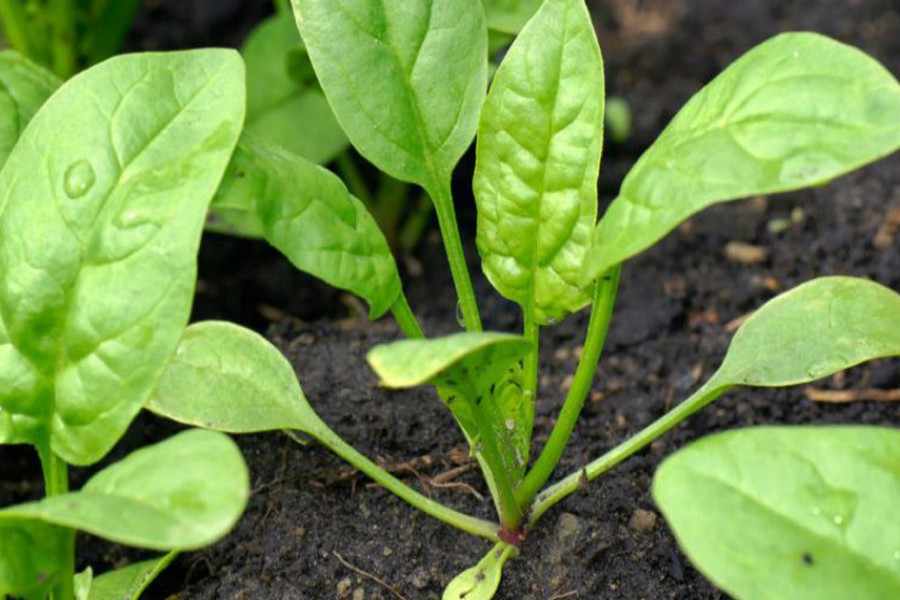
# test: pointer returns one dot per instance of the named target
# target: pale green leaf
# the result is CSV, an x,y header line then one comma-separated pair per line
x,y
469,362
481,581
24,87
539,145
127,583
228,378
279,108
789,512
509,16
82,584
183,493
813,331
405,79
307,213
32,556
102,217
797,110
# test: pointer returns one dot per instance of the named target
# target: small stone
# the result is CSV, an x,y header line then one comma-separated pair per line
x,y
642,520
568,530
359,594
387,551
744,253
420,579
343,587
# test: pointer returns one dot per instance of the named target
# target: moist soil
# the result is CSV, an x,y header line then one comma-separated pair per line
x,y
315,529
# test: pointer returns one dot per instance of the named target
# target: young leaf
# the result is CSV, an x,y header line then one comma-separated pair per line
x,y
797,110
463,361
102,218
813,331
509,16
789,512
228,378
481,581
539,145
24,87
128,582
405,79
183,493
281,109
31,559
307,213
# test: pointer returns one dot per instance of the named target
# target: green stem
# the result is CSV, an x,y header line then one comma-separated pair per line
x,y
353,178
415,223
601,314
56,482
65,59
437,510
505,495
443,203
405,318
532,332
15,26
574,481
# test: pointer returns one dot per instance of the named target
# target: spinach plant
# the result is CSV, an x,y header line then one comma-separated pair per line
x,y
407,82
67,35
103,195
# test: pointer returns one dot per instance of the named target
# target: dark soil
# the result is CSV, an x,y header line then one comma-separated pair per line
x,y
313,527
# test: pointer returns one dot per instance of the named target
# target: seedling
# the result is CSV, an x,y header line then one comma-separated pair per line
x,y
407,82
67,35
103,197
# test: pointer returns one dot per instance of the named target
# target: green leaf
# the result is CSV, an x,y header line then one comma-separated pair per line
x,y
228,378
307,213
281,109
32,555
539,145
128,582
509,16
183,493
481,581
789,512
24,87
813,331
102,218
798,110
468,362
405,79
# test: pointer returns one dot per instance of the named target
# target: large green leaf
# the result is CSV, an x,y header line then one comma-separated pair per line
x,y
405,79
281,109
24,87
817,329
798,110
306,212
183,493
32,555
101,219
509,16
228,378
789,512
539,145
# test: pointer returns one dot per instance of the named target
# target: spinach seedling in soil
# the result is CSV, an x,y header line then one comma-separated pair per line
x,y
284,97
407,83
67,35
103,195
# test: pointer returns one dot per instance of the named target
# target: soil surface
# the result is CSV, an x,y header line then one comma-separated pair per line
x,y
316,530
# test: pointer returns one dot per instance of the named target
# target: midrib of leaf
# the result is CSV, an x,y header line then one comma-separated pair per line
x,y
792,523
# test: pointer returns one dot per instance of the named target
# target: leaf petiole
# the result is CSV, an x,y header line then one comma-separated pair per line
x,y
598,326
405,317
56,482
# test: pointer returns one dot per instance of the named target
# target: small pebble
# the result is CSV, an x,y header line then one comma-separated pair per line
x,y
642,520
343,587
359,594
744,253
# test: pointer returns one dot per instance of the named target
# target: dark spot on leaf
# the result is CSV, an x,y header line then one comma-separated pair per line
x,y
807,558
479,576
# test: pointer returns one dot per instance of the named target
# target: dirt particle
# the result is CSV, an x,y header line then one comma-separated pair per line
x,y
745,254
343,587
642,520
359,594
808,559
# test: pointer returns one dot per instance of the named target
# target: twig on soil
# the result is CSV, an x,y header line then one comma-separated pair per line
x,y
734,324
370,577
570,594
840,396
